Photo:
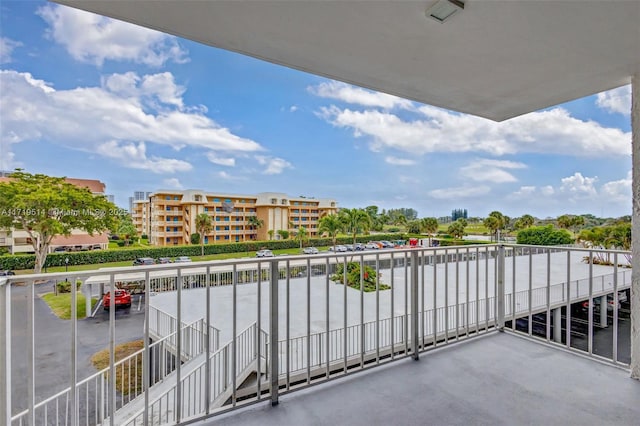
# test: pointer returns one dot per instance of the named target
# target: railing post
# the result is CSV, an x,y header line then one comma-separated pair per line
x,y
273,330
500,290
414,305
5,352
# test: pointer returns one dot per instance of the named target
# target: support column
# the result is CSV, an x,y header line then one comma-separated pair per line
x,y
604,308
5,352
635,228
557,325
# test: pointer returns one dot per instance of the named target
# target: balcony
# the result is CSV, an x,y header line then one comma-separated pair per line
x,y
278,325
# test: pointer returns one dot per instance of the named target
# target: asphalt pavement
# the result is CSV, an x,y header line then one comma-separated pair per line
x,y
53,343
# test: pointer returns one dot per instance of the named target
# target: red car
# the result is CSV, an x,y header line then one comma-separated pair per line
x,y
123,298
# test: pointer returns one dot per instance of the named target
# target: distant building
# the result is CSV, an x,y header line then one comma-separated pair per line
x,y
168,216
138,196
18,241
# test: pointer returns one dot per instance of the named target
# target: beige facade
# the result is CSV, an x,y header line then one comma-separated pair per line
x,y
168,218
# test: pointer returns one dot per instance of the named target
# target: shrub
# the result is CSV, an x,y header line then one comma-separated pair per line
x,y
195,238
544,236
65,286
144,236
353,277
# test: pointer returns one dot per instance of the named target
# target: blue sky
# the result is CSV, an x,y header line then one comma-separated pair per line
x,y
88,97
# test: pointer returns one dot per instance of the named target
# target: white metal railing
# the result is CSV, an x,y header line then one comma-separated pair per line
x,y
304,327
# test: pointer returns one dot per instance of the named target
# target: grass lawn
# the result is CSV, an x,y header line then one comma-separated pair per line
x,y
61,304
128,374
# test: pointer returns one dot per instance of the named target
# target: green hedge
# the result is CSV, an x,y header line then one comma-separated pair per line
x,y
27,261
544,236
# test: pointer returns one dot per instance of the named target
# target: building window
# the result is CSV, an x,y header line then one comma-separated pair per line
x,y
176,198
175,229
206,209
198,198
206,240
168,229
283,201
168,239
175,219
227,200
274,201
168,208
226,237
168,197
216,200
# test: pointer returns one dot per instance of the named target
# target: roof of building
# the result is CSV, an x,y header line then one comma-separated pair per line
x,y
92,185
79,239
494,59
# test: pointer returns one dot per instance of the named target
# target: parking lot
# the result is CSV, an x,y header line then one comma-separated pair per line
x,y
53,338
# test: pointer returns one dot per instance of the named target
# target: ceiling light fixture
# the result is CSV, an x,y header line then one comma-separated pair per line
x,y
444,9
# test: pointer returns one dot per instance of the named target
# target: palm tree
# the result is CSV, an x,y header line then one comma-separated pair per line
x,y
355,221
271,232
331,225
430,226
496,222
302,235
203,226
255,223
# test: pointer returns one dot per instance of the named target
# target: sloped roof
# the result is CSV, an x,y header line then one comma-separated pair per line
x,y
93,185
494,59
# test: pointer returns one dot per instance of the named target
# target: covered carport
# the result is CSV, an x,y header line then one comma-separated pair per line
x,y
493,59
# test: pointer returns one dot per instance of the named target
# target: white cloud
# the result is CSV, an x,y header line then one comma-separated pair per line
x,y
616,100
486,170
222,161
7,47
460,192
408,179
173,183
134,156
399,161
524,192
356,95
127,108
578,186
7,158
293,108
437,130
274,165
547,190
618,190
94,39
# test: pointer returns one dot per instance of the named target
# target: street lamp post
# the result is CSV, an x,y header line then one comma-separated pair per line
x,y
66,264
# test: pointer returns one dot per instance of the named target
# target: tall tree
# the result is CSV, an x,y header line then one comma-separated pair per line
x,y
46,207
355,221
331,225
204,225
127,229
496,222
456,229
255,223
430,226
302,235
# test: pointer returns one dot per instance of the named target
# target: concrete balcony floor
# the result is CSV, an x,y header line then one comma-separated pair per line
x,y
497,379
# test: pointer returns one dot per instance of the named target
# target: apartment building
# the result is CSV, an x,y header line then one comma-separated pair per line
x,y
168,217
19,241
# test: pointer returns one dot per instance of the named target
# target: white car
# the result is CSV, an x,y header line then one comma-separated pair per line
x,y
338,248
310,250
182,259
264,253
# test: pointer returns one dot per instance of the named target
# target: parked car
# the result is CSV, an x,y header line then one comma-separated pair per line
x,y
371,245
350,247
164,260
123,298
338,249
144,261
358,246
264,253
6,273
310,250
387,244
584,306
182,259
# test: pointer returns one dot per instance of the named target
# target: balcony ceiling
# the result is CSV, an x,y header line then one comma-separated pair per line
x,y
494,59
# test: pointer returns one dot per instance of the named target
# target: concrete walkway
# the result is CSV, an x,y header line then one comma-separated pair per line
x,y
499,379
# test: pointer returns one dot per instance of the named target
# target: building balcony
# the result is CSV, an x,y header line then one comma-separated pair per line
x,y
504,334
